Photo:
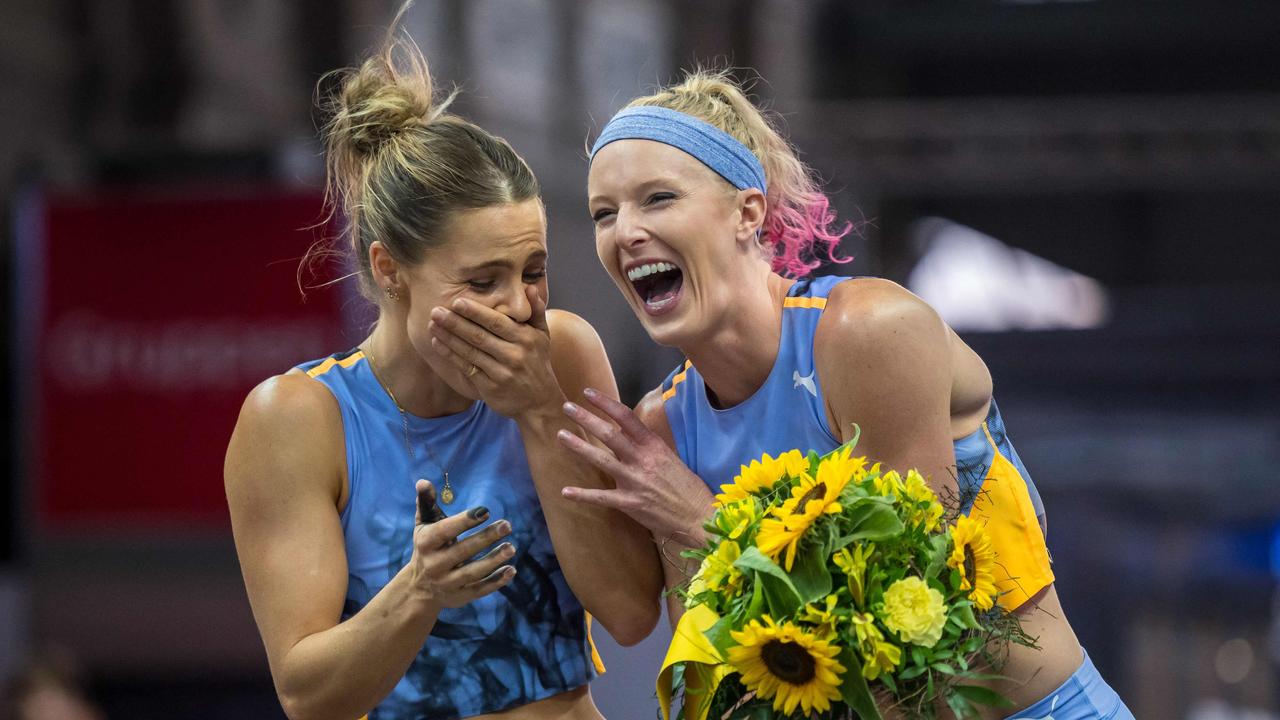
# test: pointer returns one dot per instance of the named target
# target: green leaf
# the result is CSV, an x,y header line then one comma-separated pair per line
x,y
917,655
854,688
943,668
964,612
983,695
810,576
912,672
719,637
756,606
779,593
937,555
961,707
870,519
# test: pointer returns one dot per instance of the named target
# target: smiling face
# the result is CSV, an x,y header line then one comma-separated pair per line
x,y
672,234
489,255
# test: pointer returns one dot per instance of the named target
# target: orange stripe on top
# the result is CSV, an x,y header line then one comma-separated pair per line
x,y
818,303
329,364
595,654
671,391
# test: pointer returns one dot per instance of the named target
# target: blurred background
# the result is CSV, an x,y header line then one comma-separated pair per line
x,y
1089,192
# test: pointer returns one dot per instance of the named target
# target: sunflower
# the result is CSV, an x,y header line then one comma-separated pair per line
x,y
761,475
810,499
788,664
974,558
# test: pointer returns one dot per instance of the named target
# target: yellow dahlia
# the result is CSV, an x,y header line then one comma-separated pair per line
x,y
973,557
810,499
762,475
878,655
783,662
914,611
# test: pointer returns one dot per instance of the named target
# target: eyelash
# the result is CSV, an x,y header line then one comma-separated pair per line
x,y
654,198
487,285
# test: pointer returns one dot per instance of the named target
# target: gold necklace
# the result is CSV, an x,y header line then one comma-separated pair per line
x,y
446,493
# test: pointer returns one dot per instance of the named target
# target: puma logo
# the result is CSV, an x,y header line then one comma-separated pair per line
x,y
805,381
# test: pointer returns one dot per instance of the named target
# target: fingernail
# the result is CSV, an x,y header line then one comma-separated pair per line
x,y
590,392
477,512
563,435
568,492
437,313
459,304
509,549
504,527
570,408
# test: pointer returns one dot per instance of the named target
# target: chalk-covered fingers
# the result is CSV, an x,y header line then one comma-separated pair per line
x,y
443,566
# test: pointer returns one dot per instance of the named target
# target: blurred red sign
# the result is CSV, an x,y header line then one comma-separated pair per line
x,y
153,317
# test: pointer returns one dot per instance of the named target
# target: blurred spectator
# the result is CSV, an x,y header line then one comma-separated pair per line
x,y
49,688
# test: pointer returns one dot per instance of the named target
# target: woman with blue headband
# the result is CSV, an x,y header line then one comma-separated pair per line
x,y
709,224
377,592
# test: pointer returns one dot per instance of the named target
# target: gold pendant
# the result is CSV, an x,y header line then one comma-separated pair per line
x,y
446,495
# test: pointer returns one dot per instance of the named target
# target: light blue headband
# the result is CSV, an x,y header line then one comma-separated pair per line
x,y
712,146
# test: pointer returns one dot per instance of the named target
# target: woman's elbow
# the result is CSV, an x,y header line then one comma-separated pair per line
x,y
635,626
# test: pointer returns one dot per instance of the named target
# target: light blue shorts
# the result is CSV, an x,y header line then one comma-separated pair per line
x,y
1084,696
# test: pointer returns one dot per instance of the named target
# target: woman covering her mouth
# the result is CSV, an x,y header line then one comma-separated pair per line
x,y
709,224
371,597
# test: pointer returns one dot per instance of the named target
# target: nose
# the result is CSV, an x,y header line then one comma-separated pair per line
x,y
514,303
630,231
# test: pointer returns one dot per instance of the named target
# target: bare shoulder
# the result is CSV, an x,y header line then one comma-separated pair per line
x,y
873,314
289,428
653,414
571,331
578,357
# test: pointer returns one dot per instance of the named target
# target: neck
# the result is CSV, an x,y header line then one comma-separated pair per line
x,y
408,379
736,359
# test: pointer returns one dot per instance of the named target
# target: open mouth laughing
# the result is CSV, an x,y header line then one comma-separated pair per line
x,y
657,283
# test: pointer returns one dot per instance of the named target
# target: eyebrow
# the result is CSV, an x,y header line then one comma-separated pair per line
x,y
665,180
506,263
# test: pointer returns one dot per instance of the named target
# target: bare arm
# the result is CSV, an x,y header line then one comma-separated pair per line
x,y
527,371
654,486
283,480
883,357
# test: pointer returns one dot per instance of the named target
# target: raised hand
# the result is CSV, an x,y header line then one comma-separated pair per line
x,y
442,564
511,360
654,486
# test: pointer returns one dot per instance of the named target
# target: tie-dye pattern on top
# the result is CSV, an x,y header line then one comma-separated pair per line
x,y
526,642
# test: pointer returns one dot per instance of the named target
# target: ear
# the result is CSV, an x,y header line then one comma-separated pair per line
x,y
752,207
386,271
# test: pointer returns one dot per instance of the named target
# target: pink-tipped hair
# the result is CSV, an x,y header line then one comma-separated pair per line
x,y
800,233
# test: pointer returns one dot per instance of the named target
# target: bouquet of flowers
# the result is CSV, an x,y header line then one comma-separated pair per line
x,y
830,587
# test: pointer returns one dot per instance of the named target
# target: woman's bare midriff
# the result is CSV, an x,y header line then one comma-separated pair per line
x,y
575,704
1034,673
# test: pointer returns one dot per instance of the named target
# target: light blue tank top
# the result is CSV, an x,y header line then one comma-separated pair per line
x,y
526,642
788,411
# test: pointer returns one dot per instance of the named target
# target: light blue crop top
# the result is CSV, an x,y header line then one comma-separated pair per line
x,y
526,642
788,411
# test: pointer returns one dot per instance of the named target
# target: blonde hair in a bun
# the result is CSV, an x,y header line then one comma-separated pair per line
x,y
399,164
